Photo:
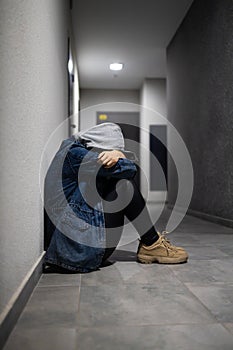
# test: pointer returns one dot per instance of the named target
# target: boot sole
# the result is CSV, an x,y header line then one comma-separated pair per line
x,y
145,259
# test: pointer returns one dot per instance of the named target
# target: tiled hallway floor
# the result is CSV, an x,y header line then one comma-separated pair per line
x,y
127,305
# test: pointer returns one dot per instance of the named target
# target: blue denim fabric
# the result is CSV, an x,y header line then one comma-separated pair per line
x,y
76,228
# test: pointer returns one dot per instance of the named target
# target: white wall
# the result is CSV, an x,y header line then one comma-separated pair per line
x,y
33,90
153,111
93,100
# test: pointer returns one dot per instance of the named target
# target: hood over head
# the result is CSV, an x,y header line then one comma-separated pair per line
x,y
104,136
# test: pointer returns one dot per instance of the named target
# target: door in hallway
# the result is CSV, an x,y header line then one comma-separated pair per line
x,y
158,158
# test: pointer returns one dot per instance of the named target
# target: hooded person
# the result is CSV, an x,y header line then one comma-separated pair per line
x,y
75,235
81,177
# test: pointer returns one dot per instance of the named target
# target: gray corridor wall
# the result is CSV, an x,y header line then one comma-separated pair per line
x,y
199,88
33,102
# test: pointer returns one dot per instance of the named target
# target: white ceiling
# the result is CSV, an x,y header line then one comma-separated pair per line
x,y
134,32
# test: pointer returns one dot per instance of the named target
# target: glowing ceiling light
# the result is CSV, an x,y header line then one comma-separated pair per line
x,y
116,66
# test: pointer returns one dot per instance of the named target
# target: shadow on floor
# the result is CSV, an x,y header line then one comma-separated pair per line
x,y
123,255
118,255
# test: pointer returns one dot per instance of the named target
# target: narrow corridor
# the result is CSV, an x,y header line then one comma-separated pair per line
x,y
127,305
162,71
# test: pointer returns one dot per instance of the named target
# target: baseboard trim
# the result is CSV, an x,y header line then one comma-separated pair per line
x,y
16,304
216,219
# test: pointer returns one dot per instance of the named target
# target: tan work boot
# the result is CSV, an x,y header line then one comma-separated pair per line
x,y
162,251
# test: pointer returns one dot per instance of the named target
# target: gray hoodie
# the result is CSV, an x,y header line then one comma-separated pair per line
x,y
105,136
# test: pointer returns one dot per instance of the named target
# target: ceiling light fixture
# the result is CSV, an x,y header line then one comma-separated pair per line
x,y
116,66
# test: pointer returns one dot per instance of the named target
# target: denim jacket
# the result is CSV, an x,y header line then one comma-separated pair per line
x,y
75,229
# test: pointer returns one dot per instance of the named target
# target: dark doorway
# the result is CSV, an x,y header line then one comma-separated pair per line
x,y
158,148
129,124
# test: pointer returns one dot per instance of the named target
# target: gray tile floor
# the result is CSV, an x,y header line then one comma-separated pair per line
x,y
127,305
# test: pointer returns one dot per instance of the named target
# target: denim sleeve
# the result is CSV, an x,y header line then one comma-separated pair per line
x,y
84,161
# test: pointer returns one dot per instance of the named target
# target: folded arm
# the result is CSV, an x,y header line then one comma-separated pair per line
x,y
104,164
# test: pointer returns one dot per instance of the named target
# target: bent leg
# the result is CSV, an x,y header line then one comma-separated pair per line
x,y
114,222
137,212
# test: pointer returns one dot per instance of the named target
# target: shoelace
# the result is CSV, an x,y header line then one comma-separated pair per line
x,y
163,233
166,242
